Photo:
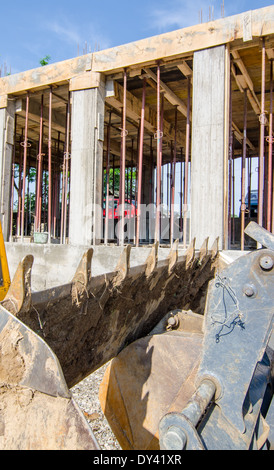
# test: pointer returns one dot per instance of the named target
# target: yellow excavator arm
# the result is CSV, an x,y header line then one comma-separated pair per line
x,y
4,268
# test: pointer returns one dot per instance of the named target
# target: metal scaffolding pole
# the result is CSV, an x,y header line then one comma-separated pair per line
x,y
262,129
270,147
12,177
25,167
186,161
39,172
230,157
66,172
159,156
243,206
123,163
173,176
140,163
19,207
49,167
107,180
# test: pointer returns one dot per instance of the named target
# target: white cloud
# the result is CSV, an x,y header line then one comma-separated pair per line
x,y
71,34
65,31
183,13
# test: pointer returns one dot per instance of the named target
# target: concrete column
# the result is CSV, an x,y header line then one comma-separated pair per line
x,y
87,136
6,151
209,146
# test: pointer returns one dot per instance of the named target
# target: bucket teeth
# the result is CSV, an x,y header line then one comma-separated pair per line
x,y
215,248
83,272
203,250
190,252
122,267
152,260
18,298
173,256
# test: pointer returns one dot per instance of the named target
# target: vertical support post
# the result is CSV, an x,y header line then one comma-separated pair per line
x,y
230,158
25,167
173,179
123,164
233,200
243,206
66,171
262,129
209,151
186,163
49,166
270,147
39,171
86,163
107,180
12,178
140,163
159,157
181,192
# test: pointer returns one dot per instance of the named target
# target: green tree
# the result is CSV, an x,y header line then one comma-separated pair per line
x,y
45,60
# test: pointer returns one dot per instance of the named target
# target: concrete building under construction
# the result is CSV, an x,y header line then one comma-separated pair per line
x,y
107,160
134,125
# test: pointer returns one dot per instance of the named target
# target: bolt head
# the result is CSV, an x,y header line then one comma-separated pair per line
x,y
266,262
249,290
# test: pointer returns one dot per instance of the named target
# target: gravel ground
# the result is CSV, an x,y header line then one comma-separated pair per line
x,y
86,394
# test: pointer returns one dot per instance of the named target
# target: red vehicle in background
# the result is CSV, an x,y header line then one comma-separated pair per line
x,y
113,208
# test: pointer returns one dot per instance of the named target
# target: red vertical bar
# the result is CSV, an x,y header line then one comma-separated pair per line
x,y
140,163
107,182
270,138
173,180
262,128
12,177
49,166
186,161
123,163
25,166
39,170
243,207
66,171
159,139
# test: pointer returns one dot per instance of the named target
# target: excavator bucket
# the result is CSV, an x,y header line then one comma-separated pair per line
x,y
202,382
37,410
50,340
147,318
90,320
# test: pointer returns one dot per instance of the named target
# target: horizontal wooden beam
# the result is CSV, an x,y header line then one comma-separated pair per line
x,y
34,79
244,82
184,41
169,94
114,98
58,120
176,44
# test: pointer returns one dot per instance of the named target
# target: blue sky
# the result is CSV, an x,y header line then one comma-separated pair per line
x,y
30,30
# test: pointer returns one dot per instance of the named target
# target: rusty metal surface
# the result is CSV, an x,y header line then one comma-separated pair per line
x,y
90,320
37,411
